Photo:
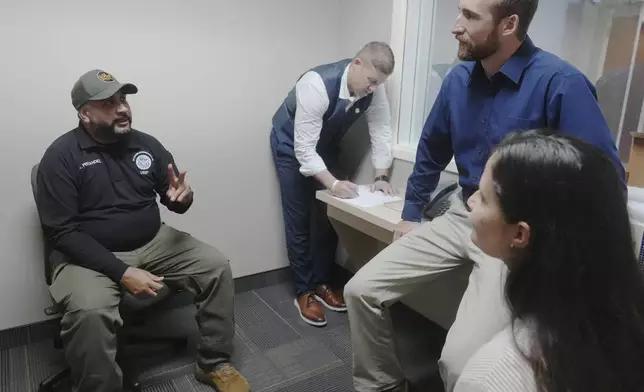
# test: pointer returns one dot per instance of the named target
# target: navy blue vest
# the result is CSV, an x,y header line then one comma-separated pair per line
x,y
336,120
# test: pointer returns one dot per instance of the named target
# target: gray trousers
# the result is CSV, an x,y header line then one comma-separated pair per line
x,y
91,316
407,266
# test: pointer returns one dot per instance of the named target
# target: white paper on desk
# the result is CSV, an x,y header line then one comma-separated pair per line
x,y
366,198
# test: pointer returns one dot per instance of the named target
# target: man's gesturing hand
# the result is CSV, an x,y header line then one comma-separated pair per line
x,y
138,281
179,189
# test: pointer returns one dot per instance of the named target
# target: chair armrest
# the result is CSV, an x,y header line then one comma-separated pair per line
x,y
439,203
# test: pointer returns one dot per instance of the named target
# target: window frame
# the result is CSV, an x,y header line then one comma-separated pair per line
x,y
403,85
404,94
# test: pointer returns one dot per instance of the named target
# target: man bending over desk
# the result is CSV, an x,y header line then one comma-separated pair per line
x,y
305,141
97,188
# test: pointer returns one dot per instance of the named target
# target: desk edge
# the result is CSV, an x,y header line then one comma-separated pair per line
x,y
361,213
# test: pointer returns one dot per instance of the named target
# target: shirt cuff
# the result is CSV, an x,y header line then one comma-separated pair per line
x,y
116,271
313,168
382,163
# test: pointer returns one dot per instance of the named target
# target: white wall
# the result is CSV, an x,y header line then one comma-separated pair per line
x,y
210,75
362,21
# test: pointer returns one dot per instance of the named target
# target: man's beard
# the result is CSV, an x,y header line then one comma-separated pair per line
x,y
110,132
470,52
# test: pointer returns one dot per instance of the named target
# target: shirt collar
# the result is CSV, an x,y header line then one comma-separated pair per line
x,y
514,67
344,86
86,142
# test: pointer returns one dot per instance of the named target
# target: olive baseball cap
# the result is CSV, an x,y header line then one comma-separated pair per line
x,y
97,85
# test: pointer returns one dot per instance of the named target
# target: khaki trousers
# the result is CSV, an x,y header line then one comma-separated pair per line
x,y
90,301
408,265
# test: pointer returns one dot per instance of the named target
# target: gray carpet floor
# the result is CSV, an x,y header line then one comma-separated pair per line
x,y
274,349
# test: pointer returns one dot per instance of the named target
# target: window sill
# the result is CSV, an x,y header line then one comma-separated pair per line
x,y
407,153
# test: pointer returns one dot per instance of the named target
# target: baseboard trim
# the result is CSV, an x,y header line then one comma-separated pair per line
x,y
263,279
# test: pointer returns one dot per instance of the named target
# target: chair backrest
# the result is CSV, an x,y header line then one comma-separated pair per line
x,y
34,180
47,251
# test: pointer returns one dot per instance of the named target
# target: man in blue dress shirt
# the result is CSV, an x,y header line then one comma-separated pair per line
x,y
505,84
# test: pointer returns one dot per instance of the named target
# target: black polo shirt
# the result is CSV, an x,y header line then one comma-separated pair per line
x,y
95,199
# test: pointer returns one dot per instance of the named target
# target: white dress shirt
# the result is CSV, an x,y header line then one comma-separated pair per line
x,y
313,101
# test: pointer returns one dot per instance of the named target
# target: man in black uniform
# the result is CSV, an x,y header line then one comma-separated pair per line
x,y
97,189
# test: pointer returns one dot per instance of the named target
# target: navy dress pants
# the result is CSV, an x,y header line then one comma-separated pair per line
x,y
311,241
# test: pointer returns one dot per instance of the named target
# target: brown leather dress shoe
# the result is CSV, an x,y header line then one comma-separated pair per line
x,y
310,310
330,299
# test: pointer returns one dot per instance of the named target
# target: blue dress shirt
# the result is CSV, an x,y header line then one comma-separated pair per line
x,y
534,89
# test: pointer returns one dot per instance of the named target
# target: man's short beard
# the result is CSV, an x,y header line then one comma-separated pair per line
x,y
482,51
109,132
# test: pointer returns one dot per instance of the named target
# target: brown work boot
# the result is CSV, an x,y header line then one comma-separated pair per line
x,y
330,299
225,378
310,310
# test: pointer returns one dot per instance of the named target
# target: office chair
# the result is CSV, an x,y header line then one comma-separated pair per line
x,y
439,203
133,311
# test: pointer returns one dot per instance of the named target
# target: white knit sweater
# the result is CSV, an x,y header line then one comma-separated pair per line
x,y
499,366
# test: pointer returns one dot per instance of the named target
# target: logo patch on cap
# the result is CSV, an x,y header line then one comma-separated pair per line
x,y
105,77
